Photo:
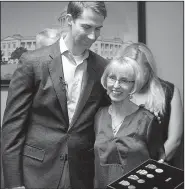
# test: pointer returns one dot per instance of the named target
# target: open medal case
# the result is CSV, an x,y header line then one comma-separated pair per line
x,y
151,175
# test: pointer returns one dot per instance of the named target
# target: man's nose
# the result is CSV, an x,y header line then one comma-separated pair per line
x,y
92,35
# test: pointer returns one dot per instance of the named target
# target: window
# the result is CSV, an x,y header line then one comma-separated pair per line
x,y
22,44
29,44
102,45
14,45
9,45
4,46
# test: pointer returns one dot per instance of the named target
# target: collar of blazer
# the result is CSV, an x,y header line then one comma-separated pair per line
x,y
95,67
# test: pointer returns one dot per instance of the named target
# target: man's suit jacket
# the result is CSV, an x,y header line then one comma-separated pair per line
x,y
36,133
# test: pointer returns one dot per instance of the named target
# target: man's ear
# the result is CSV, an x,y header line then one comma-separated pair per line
x,y
69,19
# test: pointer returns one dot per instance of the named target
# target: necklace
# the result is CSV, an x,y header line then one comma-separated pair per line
x,y
115,127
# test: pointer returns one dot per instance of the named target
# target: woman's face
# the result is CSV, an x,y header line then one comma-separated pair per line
x,y
120,82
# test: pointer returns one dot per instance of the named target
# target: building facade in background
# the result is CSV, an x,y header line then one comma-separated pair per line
x,y
106,48
10,43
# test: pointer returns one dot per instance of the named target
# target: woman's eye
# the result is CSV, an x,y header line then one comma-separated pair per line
x,y
123,80
112,77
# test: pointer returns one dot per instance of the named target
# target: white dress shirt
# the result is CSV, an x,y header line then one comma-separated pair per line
x,y
74,68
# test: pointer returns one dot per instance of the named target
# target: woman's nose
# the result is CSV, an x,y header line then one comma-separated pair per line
x,y
116,84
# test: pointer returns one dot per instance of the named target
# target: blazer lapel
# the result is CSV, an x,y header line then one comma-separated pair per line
x,y
86,90
57,76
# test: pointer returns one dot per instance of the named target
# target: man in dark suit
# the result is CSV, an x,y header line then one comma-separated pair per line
x,y
48,133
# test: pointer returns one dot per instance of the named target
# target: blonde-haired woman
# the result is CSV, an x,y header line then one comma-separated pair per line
x,y
158,96
126,134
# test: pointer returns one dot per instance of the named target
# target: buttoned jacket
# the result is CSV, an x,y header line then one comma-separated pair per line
x,y
35,130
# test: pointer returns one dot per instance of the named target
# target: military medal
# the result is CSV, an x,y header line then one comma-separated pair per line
x,y
168,179
139,171
124,183
133,177
150,176
158,170
142,172
151,166
141,181
131,187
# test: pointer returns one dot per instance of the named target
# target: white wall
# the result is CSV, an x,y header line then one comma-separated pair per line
x,y
164,30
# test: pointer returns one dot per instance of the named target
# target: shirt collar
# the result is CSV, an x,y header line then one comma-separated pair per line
x,y
78,59
63,47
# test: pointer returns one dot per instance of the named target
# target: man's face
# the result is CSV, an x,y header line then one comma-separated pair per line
x,y
86,29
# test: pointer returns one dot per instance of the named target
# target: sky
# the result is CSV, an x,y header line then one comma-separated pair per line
x,y
30,17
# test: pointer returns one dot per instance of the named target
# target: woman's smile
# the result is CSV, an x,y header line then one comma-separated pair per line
x,y
116,92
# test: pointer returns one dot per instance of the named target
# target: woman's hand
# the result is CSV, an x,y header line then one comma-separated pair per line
x,y
156,113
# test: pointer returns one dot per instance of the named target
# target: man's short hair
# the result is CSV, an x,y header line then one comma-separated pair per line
x,y
75,8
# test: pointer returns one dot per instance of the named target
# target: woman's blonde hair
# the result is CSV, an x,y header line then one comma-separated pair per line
x,y
152,85
132,68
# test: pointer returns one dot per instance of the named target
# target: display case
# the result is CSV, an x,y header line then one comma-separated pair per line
x,y
151,175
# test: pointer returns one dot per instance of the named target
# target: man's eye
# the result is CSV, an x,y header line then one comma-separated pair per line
x,y
86,27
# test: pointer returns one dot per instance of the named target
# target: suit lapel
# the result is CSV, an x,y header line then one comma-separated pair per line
x,y
86,90
57,76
